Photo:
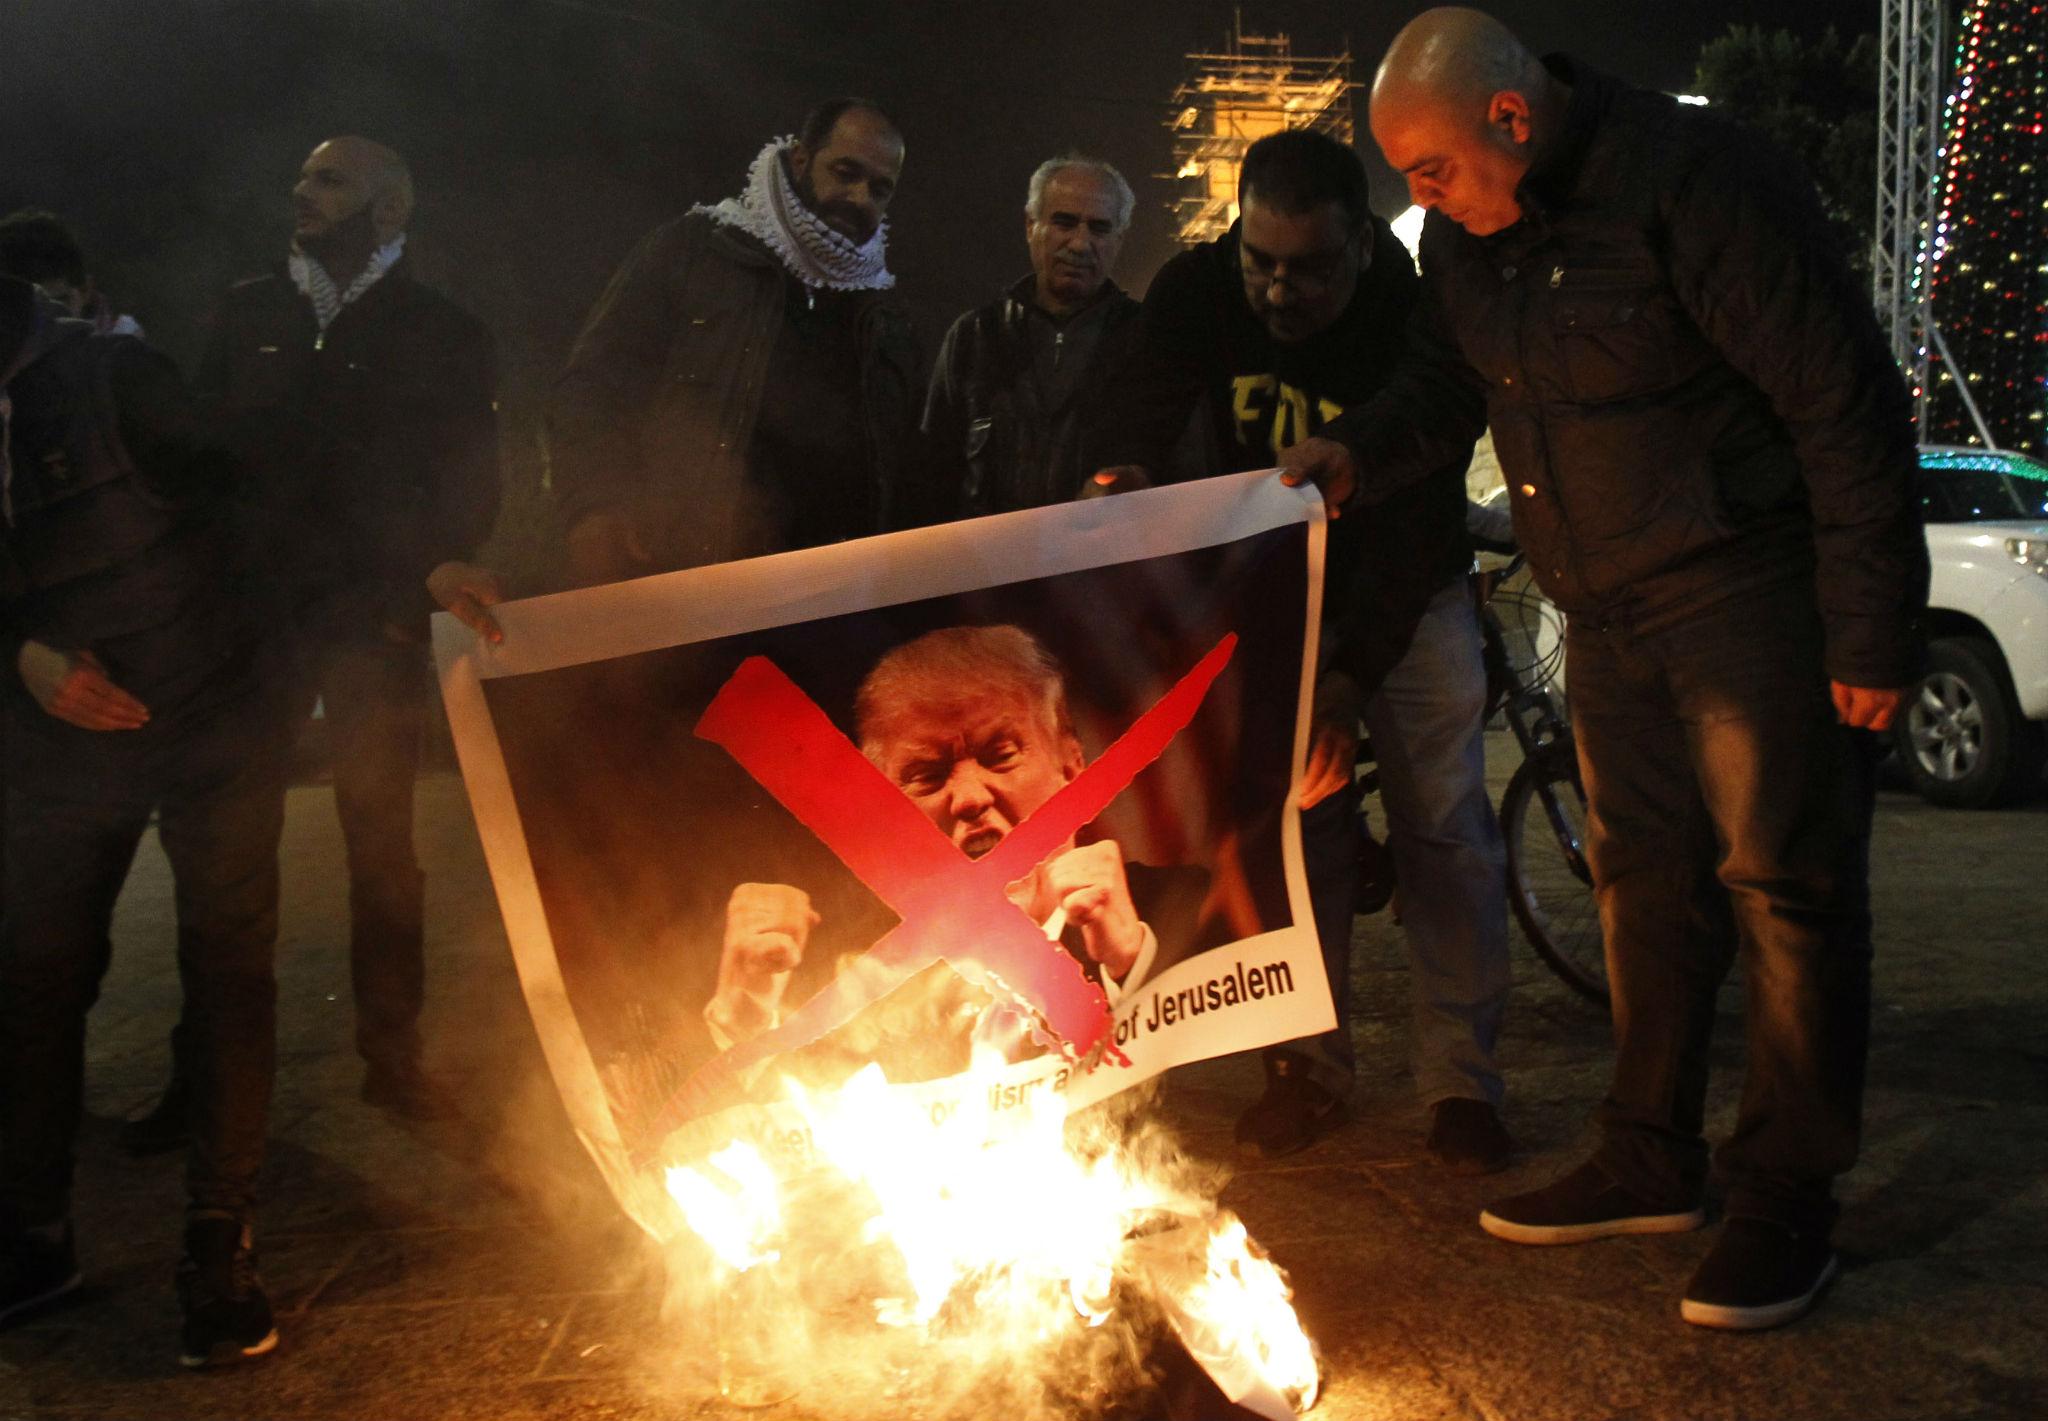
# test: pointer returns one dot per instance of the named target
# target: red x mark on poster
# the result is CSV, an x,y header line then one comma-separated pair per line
x,y
952,907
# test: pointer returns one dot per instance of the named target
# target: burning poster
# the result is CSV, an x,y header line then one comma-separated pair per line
x,y
968,827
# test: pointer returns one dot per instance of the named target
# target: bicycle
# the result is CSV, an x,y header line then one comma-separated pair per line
x,y
1543,809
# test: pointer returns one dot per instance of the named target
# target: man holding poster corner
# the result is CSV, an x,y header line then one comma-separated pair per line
x,y
1277,327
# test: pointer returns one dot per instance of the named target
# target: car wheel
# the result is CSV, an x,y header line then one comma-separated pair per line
x,y
1960,735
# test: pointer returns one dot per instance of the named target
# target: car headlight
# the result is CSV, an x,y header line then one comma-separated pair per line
x,y
2029,553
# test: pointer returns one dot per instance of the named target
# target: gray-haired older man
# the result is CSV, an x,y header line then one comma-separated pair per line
x,y
1018,380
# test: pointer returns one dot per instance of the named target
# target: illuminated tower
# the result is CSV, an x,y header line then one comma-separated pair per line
x,y
1229,101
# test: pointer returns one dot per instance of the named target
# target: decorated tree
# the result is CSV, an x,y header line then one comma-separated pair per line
x,y
1991,231
1814,98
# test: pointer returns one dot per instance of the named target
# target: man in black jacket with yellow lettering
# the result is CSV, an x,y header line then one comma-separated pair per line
x,y
1293,317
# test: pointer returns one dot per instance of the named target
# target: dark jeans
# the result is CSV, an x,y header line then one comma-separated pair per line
x,y
1728,813
374,695
216,782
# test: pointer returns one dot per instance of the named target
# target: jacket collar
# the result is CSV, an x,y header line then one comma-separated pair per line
x,y
1548,184
400,270
1022,299
742,247
745,249
386,288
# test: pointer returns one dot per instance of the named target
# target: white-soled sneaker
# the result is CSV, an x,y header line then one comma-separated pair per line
x,y
1759,1273
1582,1206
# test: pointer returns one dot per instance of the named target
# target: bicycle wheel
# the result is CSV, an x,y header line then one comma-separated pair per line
x,y
1543,820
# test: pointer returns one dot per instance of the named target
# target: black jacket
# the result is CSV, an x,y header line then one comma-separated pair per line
x,y
371,453
1201,343
1689,395
116,542
654,416
999,439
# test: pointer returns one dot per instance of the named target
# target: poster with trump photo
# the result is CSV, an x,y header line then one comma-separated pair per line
x,y
1015,795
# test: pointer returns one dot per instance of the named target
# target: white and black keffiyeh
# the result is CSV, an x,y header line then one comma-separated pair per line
x,y
318,287
770,211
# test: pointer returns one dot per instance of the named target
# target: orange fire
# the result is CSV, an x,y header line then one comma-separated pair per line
x,y
996,1248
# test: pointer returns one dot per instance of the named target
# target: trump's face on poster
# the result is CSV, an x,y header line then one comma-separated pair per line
x,y
972,724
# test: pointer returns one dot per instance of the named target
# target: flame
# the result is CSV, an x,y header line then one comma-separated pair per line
x,y
999,1227
737,1213
1241,1304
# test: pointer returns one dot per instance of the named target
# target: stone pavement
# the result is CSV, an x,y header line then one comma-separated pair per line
x,y
479,1270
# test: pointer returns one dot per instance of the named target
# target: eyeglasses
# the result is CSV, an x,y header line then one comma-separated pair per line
x,y
1311,274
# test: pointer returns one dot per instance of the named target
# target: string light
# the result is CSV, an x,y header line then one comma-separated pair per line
x,y
1989,282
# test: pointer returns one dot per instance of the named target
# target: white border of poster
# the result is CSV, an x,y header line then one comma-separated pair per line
x,y
701,604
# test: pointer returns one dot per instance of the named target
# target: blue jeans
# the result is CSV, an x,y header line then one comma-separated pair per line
x,y
1448,857
1426,734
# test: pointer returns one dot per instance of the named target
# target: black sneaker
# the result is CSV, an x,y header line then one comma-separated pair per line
x,y
1585,1205
36,1268
1293,1113
1759,1273
408,1092
227,1313
164,1127
1466,1137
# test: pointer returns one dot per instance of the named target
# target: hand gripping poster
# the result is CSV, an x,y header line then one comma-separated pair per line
x,y
1016,794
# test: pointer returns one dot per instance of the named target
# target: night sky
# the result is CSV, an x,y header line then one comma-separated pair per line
x,y
547,135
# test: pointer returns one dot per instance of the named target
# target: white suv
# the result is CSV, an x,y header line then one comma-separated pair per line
x,y
1973,733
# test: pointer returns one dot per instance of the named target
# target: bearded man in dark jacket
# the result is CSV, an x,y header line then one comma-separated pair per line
x,y
1021,382
1294,316
361,404
137,686
1709,452
745,385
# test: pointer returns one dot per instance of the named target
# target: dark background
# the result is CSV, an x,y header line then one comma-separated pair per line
x,y
548,135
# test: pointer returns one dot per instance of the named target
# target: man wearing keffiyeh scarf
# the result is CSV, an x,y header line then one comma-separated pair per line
x,y
833,241
745,384
361,402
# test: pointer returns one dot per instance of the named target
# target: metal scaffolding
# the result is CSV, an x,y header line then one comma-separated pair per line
x,y
1913,69
1229,101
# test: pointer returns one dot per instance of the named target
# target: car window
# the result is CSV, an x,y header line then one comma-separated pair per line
x,y
1981,488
